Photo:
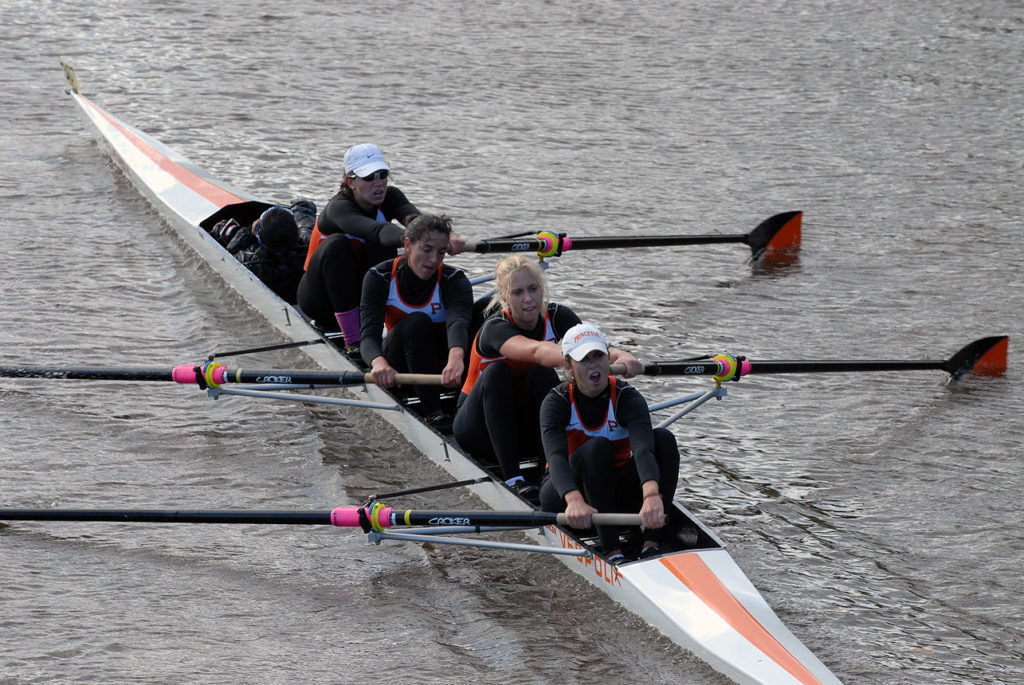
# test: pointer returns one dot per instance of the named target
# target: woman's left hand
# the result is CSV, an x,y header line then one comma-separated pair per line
x,y
452,373
652,513
633,366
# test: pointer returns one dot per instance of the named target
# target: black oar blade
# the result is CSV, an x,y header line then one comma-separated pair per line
x,y
984,357
776,239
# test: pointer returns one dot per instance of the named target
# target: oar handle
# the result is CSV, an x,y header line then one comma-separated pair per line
x,y
412,378
605,519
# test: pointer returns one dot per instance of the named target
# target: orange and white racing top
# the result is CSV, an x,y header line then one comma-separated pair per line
x,y
395,308
577,433
478,362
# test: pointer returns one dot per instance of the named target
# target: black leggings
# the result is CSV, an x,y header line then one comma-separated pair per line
x,y
417,345
610,489
500,418
334,281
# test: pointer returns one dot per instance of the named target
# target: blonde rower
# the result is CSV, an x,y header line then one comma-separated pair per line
x,y
511,369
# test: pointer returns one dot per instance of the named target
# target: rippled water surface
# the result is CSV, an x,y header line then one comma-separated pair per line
x,y
879,514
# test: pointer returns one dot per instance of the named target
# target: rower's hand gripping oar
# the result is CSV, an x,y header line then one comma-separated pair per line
x,y
775,238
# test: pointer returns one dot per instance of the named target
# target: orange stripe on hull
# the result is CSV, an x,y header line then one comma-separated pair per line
x,y
993,362
695,574
786,241
201,186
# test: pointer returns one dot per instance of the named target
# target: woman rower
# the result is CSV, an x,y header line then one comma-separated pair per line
x,y
415,313
354,231
512,368
603,455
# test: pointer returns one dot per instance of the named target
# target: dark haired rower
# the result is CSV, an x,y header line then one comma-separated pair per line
x,y
415,313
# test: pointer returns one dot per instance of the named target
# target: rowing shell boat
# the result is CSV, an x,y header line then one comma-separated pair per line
x,y
694,593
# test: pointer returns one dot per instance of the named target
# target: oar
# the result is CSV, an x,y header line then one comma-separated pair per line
x,y
373,517
984,357
774,238
213,374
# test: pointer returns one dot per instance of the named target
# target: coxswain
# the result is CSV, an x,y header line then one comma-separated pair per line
x,y
271,249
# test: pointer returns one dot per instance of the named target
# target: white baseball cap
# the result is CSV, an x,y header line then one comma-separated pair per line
x,y
581,340
364,159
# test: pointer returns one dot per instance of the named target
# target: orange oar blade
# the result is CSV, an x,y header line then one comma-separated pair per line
x,y
993,362
984,357
777,238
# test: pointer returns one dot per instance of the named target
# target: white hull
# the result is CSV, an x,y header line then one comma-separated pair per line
x,y
698,598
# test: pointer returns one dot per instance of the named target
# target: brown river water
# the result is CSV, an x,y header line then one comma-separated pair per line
x,y
879,514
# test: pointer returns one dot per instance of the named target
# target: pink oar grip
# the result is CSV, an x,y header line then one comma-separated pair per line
x,y
744,367
187,374
184,374
566,243
348,517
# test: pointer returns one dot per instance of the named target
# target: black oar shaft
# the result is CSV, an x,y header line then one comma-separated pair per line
x,y
88,374
723,365
295,376
517,245
811,366
704,367
654,241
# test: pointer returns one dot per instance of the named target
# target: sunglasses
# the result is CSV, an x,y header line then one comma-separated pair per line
x,y
382,174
